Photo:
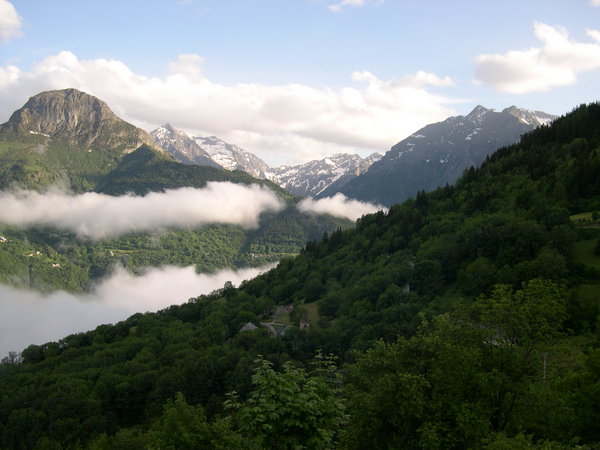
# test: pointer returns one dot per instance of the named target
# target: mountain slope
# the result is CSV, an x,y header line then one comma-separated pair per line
x,y
232,157
439,153
314,177
462,319
181,146
148,170
65,136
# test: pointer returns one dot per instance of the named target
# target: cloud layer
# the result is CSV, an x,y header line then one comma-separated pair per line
x,y
32,318
97,216
556,63
10,22
369,114
339,206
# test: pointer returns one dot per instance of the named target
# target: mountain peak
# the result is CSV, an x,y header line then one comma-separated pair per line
x,y
232,157
477,114
529,117
181,146
316,177
76,116
64,110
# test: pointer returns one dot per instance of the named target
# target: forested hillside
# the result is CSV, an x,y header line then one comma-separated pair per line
x,y
465,318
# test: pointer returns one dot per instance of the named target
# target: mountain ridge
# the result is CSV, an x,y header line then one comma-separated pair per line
x,y
438,154
313,177
308,179
181,146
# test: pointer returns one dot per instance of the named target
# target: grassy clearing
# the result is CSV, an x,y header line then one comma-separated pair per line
x,y
581,216
283,318
313,312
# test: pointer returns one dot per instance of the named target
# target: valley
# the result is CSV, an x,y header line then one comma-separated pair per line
x,y
482,279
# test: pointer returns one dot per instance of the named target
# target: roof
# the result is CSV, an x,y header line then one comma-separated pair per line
x,y
248,327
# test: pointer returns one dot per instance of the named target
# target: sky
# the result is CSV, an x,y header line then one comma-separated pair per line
x,y
297,80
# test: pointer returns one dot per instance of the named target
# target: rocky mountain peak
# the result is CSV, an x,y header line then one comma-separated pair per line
x,y
181,146
529,117
315,177
478,114
232,157
67,110
79,117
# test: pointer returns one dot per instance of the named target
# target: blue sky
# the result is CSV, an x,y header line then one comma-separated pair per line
x,y
294,80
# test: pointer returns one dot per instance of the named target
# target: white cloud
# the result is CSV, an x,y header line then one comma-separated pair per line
x,y
594,34
354,3
338,205
368,115
96,216
32,318
556,63
595,2
10,22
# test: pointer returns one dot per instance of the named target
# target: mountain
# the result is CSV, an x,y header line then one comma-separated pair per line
x,y
465,318
308,179
66,137
314,177
181,146
232,157
73,139
77,117
439,153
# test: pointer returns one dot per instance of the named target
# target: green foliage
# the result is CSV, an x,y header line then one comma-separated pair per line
x,y
455,382
527,316
292,408
183,426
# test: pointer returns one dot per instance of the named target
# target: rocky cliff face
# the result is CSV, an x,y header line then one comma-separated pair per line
x,y
79,118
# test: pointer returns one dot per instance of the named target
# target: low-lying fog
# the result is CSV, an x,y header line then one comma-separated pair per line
x,y
28,317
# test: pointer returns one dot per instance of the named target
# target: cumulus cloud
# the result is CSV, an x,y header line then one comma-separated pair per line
x,y
354,3
10,21
369,114
32,318
97,216
339,206
556,63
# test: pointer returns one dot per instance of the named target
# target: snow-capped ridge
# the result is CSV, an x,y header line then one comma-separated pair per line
x,y
438,153
181,146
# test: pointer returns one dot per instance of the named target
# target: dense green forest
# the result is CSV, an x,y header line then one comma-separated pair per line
x,y
467,317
